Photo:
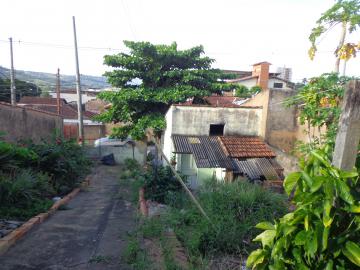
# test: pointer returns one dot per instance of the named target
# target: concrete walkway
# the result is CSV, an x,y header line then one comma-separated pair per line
x,y
90,234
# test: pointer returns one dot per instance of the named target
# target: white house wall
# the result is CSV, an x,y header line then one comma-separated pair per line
x,y
194,120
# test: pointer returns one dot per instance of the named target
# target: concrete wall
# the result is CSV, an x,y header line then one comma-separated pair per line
x,y
120,152
281,123
20,123
289,162
196,120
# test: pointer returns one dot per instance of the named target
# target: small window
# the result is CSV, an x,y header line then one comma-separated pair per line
x,y
278,85
216,130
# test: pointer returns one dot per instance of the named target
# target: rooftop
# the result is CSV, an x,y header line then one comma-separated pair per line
x,y
249,156
44,104
245,147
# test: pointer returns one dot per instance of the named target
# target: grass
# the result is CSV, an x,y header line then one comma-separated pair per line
x,y
233,208
135,255
100,259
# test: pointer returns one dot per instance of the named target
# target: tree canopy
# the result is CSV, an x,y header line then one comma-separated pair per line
x,y
22,89
150,79
346,13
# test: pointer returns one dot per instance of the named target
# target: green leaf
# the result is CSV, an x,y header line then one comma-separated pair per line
x,y
325,238
354,209
266,238
306,222
255,257
265,226
307,178
344,191
300,238
321,158
352,252
291,181
312,245
327,219
349,174
329,265
317,183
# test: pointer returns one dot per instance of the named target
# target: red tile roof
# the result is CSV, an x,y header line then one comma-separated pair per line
x,y
66,111
245,147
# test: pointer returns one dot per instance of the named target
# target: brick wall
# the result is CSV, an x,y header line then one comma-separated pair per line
x,y
20,123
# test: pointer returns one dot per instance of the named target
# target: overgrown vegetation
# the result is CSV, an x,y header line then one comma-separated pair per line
x,y
31,174
319,109
233,208
244,92
324,230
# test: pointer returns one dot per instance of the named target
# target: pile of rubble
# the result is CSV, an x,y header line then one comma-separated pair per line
x,y
7,226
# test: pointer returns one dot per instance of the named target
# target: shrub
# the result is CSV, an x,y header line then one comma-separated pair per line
x,y
13,157
324,230
242,91
64,161
160,183
233,208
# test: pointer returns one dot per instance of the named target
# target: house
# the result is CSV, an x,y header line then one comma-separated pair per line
x,y
68,112
211,128
260,76
224,158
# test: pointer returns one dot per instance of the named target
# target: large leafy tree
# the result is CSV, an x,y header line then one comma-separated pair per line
x,y
345,13
150,79
22,89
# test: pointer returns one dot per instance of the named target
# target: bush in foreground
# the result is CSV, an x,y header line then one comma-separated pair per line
x,y
324,230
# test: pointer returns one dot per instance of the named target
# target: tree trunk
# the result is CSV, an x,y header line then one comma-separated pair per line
x,y
341,43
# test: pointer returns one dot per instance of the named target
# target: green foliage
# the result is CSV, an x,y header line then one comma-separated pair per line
x,y
31,174
234,209
13,157
324,230
64,161
345,12
244,92
159,182
153,77
22,89
319,105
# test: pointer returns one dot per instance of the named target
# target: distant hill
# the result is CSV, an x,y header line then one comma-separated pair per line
x,y
47,81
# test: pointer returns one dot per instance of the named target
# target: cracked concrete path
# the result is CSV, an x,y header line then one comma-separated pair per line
x,y
90,234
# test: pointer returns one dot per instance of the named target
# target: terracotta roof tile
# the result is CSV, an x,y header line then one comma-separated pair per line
x,y
245,147
66,111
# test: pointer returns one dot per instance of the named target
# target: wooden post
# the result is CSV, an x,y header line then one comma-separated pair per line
x,y
348,136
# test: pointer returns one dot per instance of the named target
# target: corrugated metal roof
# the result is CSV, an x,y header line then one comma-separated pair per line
x,y
207,151
254,168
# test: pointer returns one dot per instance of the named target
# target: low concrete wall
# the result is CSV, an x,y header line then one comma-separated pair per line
x,y
19,123
120,152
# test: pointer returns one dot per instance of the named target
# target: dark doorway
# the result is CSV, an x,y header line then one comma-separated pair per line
x,y
217,130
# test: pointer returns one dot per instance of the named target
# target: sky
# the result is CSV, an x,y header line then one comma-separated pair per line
x,y
236,33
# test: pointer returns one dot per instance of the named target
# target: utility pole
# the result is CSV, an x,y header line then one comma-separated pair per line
x,y
12,76
58,92
348,136
78,88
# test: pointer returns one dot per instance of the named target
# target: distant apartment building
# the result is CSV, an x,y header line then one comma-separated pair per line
x,y
285,73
